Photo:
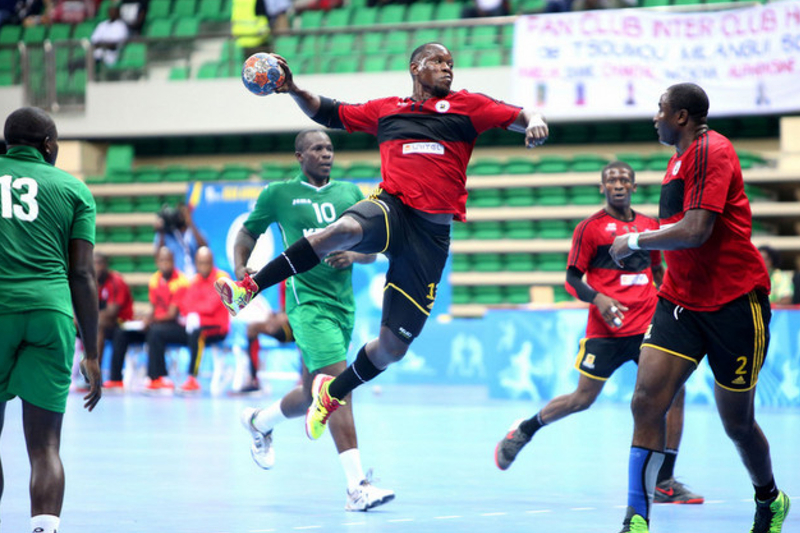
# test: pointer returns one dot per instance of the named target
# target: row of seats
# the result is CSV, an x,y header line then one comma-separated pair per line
x,y
137,204
543,262
501,295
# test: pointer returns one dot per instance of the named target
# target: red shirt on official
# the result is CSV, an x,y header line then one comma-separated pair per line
x,y
727,266
201,298
425,146
115,291
632,286
166,292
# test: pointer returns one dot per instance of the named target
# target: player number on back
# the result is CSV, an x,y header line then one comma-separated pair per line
x,y
28,209
325,212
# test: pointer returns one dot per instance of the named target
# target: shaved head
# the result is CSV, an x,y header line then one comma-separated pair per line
x,y
30,126
423,50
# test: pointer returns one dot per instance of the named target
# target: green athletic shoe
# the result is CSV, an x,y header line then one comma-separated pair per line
x,y
322,406
771,514
634,523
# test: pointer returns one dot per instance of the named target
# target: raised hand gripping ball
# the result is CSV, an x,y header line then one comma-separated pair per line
x,y
262,74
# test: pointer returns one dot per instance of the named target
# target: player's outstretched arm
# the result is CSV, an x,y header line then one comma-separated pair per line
x,y
691,231
533,125
242,250
83,288
308,102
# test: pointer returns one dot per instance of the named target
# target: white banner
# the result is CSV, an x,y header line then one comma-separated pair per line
x,y
617,63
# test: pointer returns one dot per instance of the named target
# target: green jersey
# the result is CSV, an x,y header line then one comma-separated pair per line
x,y
299,208
43,208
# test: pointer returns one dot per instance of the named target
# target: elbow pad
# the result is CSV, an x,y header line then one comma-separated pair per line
x,y
328,114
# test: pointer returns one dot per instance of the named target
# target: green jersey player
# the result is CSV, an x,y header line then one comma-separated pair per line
x,y
46,260
319,303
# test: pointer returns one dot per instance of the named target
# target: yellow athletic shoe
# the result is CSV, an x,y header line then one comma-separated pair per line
x,y
634,523
235,295
322,406
770,515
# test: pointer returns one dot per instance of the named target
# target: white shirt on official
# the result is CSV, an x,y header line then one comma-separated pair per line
x,y
109,31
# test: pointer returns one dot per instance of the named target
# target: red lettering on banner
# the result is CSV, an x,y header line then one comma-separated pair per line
x,y
549,26
772,68
683,28
539,72
627,71
594,24
792,15
749,23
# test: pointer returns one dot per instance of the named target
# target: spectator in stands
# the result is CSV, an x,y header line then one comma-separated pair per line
x,y
782,285
72,11
586,5
207,320
115,301
133,12
276,11
8,12
109,37
176,230
486,8
32,12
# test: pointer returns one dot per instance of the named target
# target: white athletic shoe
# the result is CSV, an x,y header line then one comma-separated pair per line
x,y
367,496
261,447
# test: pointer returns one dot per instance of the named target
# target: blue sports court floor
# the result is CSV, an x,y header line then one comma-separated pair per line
x,y
173,464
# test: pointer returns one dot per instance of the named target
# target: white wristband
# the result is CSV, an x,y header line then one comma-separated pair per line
x,y
633,241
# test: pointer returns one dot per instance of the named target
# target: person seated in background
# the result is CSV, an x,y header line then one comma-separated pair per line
x,y
782,285
108,38
207,319
133,12
72,11
176,230
116,307
486,8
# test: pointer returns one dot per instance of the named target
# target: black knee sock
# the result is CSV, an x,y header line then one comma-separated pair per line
x,y
296,259
361,371
532,425
768,492
668,466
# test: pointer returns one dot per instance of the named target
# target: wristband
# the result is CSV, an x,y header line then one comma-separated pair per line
x,y
633,241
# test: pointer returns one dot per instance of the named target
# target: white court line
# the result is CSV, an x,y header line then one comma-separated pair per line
x,y
493,514
620,507
307,527
446,517
354,523
540,511
261,530
401,520
582,508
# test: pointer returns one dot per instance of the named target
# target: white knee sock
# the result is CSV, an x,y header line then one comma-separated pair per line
x,y
351,463
268,418
44,523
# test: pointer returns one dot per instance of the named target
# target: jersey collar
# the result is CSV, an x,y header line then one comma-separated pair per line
x,y
304,180
25,152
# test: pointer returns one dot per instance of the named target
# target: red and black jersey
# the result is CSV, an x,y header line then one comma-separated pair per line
x,y
114,290
425,146
631,285
708,176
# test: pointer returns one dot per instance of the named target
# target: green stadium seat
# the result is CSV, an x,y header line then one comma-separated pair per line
x,y
462,295
517,294
343,44
344,65
487,294
147,204
520,229
272,172
750,159
552,262
467,59
147,174
205,174
485,167
140,293
419,12
34,34
484,37
365,17
119,204
655,3
487,262
396,42
486,230
208,70
461,263
188,27
560,294
6,79
60,32
554,229
587,163
531,6
658,161
460,231
311,19
425,35
236,172
183,8
10,34
552,196
212,11
119,158
375,63
551,164
636,161
392,14
179,74
518,165
310,46
177,173
287,45
124,264
99,201
485,198
363,170
133,58
585,195
519,262
338,18
448,11
158,9
84,30
755,193
9,60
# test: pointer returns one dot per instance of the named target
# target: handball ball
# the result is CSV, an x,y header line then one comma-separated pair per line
x,y
262,74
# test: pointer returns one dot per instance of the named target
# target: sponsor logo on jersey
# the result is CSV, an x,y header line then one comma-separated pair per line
x,y
649,331
676,168
589,360
300,201
611,227
442,106
423,148
404,332
738,381
626,280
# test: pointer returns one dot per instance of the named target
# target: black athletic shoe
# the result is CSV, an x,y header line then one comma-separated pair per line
x,y
507,449
673,491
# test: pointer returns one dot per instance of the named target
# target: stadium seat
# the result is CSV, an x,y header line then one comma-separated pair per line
x,y
486,230
147,204
398,62
9,60
486,262
343,44
10,34
520,196
425,35
484,198
462,295
487,294
396,42
123,264
60,32
552,196
392,14
147,174
636,161
84,30
484,38
750,159
461,263
344,65
34,34
272,171
119,204
587,163
554,229
338,18
531,6
188,27
236,172
375,63
519,262
520,229
365,17
133,59
448,11
311,19
552,262
485,167
552,164
212,11
6,79
205,174
208,70
183,9
658,161
179,74
517,294
460,231
651,194
119,158
585,195
363,170
420,12
158,9
519,165
177,173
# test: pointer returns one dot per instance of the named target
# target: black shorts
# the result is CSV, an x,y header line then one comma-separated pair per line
x,y
735,337
599,357
417,250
